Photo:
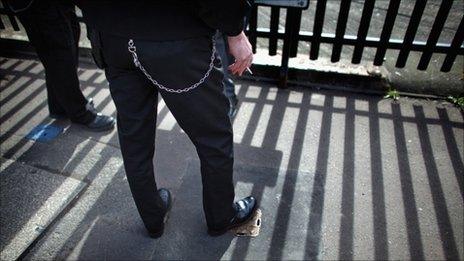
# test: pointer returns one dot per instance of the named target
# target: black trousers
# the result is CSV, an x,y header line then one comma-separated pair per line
x,y
54,31
201,113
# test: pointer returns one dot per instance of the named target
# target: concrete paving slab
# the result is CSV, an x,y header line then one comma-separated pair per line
x,y
68,155
105,214
107,204
24,104
115,232
30,199
82,157
187,230
106,210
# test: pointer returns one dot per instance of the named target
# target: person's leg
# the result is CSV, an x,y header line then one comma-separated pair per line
x,y
70,13
201,113
49,26
136,105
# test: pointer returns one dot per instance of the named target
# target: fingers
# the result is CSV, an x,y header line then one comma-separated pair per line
x,y
233,68
245,64
240,66
236,68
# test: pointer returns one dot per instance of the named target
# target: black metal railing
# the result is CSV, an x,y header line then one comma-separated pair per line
x,y
293,34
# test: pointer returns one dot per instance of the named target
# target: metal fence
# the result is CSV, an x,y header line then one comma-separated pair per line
x,y
292,35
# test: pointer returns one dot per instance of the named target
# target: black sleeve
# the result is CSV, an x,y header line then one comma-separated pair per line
x,y
225,15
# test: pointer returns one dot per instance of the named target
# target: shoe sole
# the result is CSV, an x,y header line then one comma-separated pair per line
x,y
216,233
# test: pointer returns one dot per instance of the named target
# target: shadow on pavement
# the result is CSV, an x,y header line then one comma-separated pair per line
x,y
338,175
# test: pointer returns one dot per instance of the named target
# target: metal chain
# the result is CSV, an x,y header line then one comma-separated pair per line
x,y
133,50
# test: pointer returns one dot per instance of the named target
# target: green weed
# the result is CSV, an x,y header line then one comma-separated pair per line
x,y
392,94
458,101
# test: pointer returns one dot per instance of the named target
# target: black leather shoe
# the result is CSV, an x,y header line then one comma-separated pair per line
x,y
165,196
101,123
245,209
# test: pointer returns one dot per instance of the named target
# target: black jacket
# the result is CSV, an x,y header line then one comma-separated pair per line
x,y
164,20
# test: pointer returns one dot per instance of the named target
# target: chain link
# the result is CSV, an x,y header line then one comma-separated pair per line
x,y
133,50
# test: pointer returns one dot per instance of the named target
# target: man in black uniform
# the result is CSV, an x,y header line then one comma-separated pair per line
x,y
54,31
166,47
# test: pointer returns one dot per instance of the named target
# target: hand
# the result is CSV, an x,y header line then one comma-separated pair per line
x,y
240,48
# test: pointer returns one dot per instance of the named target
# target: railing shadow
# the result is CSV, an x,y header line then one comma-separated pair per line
x,y
26,112
288,144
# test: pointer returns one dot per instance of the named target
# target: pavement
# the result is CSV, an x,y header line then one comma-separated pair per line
x,y
339,175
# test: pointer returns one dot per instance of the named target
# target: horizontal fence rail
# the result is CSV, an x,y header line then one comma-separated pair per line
x,y
292,35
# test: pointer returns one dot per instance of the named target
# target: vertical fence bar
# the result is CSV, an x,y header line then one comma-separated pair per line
x,y
274,29
289,32
340,31
317,31
411,32
253,24
296,32
437,27
455,46
386,31
364,24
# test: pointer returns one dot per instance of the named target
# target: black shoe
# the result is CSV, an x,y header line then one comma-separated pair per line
x,y
165,196
245,208
101,123
233,101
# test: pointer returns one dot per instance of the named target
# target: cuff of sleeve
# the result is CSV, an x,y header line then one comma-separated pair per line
x,y
235,31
